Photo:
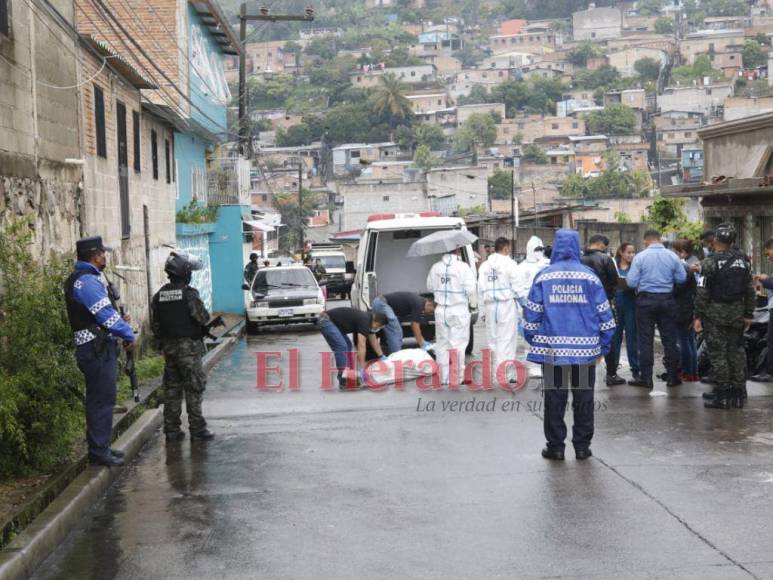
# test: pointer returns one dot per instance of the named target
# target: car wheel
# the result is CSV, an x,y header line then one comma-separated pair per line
x,y
249,326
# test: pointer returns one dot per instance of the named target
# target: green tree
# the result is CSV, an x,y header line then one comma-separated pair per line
x,y
649,7
533,154
389,101
579,55
423,158
753,55
500,184
613,120
478,129
762,38
478,94
41,414
603,77
268,93
667,215
700,68
622,217
405,138
647,68
286,204
430,135
470,55
664,25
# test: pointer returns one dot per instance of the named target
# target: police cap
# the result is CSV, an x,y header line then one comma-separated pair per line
x,y
94,243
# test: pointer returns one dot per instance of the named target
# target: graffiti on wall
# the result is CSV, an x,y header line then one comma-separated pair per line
x,y
198,245
208,70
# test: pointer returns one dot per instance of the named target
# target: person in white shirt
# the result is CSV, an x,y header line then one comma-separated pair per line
x,y
496,293
452,282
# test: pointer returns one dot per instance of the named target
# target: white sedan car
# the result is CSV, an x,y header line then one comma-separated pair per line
x,y
282,295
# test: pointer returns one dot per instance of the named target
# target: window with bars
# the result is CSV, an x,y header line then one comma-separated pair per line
x,y
5,19
137,137
167,158
99,121
154,153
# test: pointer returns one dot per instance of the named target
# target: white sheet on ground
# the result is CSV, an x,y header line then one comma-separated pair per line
x,y
414,363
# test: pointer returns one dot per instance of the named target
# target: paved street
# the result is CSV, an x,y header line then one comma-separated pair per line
x,y
336,485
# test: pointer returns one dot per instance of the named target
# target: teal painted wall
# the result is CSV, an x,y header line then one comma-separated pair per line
x,y
227,259
190,154
208,87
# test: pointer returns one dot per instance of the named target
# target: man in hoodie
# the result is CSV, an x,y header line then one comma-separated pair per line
x,y
452,283
525,273
496,291
598,260
569,325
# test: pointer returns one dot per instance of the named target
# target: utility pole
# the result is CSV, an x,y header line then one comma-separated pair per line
x,y
263,16
512,213
300,208
536,212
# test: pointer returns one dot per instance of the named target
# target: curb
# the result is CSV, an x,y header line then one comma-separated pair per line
x,y
38,540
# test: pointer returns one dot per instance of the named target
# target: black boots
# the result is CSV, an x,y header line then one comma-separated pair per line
x,y
725,397
554,454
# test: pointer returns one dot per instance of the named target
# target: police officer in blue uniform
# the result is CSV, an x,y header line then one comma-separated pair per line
x,y
97,326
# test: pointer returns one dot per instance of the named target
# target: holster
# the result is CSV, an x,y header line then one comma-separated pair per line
x,y
101,338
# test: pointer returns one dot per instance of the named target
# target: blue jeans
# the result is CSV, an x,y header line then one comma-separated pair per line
x,y
100,371
626,323
338,342
687,350
393,331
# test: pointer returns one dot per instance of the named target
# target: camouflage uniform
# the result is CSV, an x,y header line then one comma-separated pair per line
x,y
183,370
723,328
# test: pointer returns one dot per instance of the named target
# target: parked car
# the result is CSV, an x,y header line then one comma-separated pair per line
x,y
382,266
282,295
334,260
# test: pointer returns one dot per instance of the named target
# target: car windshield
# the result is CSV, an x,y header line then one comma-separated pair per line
x,y
284,278
332,262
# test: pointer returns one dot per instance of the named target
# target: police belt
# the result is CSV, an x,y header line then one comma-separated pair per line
x,y
656,294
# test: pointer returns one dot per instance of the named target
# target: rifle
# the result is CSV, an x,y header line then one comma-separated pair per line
x,y
215,322
130,369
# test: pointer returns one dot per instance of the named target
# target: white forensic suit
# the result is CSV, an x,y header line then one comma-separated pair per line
x,y
525,274
496,294
452,283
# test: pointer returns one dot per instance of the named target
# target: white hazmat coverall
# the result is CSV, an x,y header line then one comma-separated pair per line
x,y
453,284
526,272
496,293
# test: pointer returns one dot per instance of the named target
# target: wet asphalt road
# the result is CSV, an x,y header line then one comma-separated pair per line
x,y
332,485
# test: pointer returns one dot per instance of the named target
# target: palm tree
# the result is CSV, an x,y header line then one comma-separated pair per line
x,y
389,100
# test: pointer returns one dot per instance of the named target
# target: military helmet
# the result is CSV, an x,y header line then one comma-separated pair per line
x,y
181,265
725,233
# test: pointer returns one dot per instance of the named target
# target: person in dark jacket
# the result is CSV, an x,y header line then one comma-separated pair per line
x,y
625,307
569,326
684,294
251,268
597,259
767,282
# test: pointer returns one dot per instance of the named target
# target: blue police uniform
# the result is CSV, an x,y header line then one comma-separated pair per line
x,y
97,326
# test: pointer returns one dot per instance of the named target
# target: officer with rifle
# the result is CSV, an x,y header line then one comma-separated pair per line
x,y
97,327
723,310
180,322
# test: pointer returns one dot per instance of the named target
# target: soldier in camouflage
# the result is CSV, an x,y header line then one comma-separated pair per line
x,y
180,324
723,310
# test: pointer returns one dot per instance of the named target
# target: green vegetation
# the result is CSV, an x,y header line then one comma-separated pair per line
x,y
614,181
500,184
533,154
287,205
586,50
604,77
536,95
647,68
389,101
196,213
667,215
423,158
479,129
543,9
40,416
649,7
701,68
612,120
664,25
469,211
622,218
753,55
697,10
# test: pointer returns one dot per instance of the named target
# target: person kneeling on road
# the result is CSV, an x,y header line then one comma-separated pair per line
x,y
179,323
406,306
335,324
